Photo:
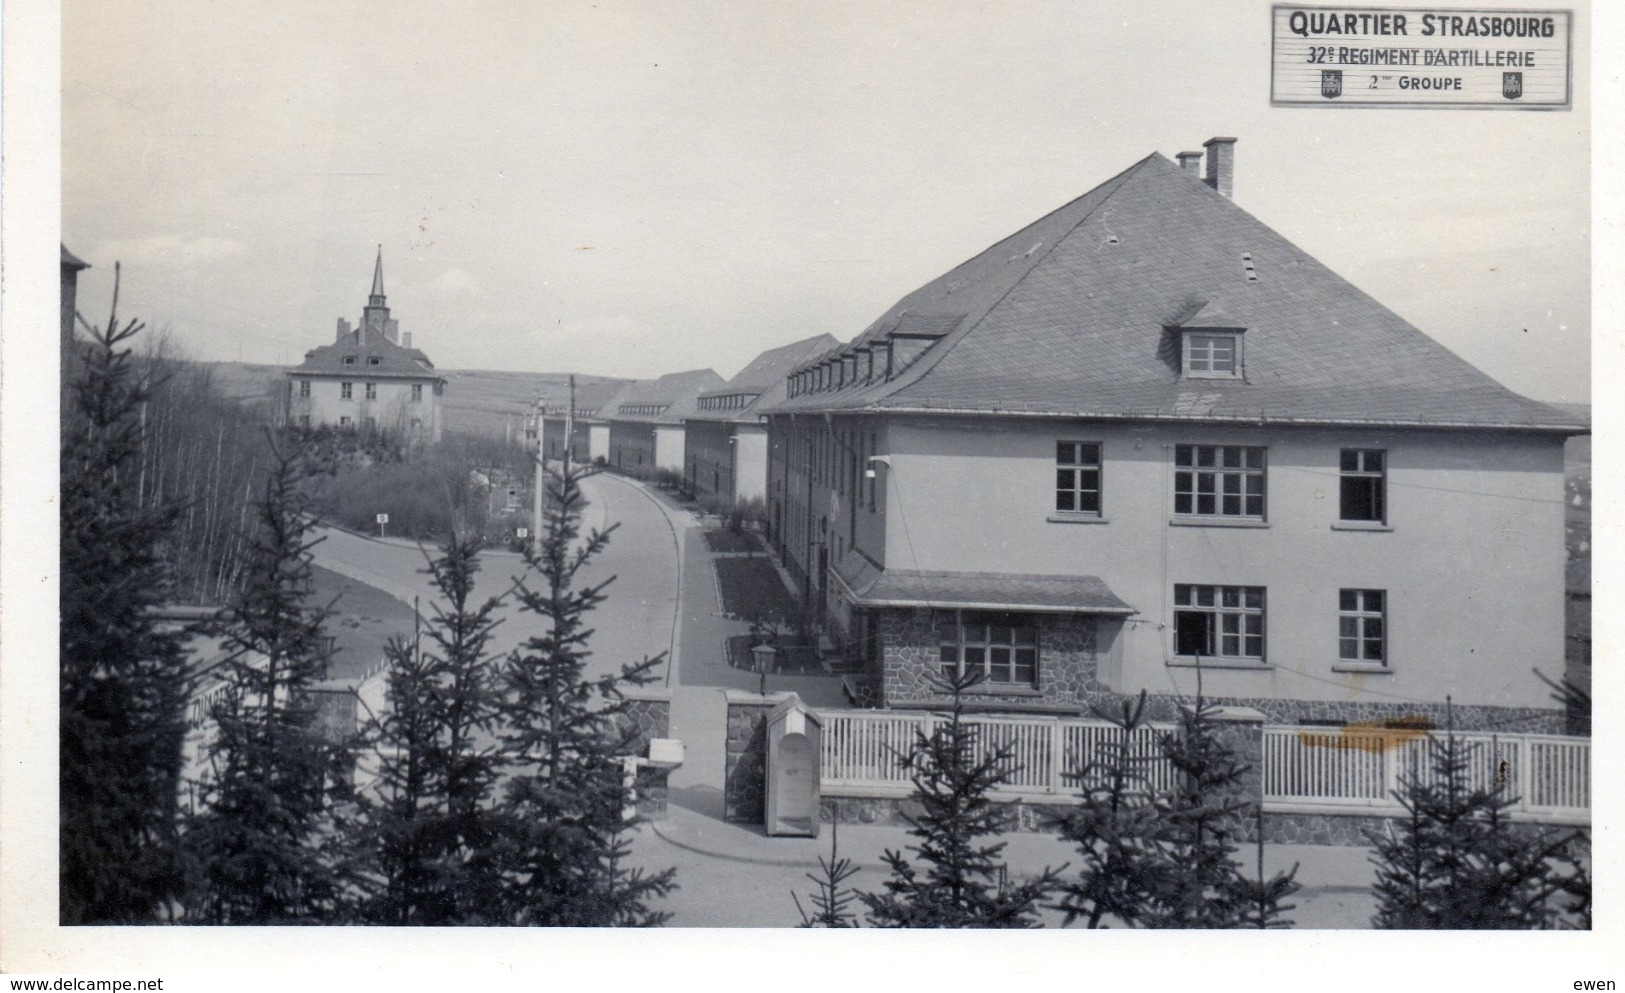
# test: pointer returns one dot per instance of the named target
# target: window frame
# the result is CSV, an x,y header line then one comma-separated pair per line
x,y
1228,609
952,628
1375,480
1251,463
304,389
1354,606
1208,355
346,391
417,392
371,391
1074,490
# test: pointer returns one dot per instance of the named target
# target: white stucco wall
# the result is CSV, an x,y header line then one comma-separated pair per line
x,y
598,442
393,409
1472,561
750,461
669,446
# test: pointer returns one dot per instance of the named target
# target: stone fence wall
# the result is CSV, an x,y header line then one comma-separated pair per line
x,y
648,715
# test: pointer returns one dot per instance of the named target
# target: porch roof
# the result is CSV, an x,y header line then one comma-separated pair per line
x,y
986,591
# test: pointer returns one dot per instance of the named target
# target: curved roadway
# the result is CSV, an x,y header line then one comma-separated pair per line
x,y
638,619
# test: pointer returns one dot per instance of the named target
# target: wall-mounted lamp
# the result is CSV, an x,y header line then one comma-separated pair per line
x,y
884,460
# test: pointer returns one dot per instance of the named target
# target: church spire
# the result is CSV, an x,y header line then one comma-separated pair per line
x,y
377,297
375,318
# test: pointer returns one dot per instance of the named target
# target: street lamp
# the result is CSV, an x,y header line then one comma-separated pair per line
x,y
763,654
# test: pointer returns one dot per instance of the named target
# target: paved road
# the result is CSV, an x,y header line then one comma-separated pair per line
x,y
638,619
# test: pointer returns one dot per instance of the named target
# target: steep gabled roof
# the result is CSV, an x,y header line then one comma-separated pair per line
x,y
761,381
674,394
1071,316
394,361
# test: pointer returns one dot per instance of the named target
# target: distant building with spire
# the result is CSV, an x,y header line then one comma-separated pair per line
x,y
370,377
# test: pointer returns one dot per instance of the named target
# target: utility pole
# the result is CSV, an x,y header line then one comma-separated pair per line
x,y
541,476
570,423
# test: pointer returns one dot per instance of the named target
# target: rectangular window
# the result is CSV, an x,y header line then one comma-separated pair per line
x,y
349,360
1003,648
304,389
1077,477
1219,481
1219,622
345,390
372,391
344,421
1364,485
1212,356
1361,627
304,420
417,392
374,360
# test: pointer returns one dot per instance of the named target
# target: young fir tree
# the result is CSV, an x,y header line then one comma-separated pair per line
x,y
964,883
262,837
1261,901
832,900
564,738
123,678
1116,827
1457,861
430,822
1200,885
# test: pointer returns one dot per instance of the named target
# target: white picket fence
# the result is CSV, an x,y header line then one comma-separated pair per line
x,y
863,751
1331,770
1353,770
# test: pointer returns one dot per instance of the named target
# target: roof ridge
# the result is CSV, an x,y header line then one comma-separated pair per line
x,y
1120,179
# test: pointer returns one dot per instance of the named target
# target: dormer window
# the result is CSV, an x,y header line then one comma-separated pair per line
x,y
1209,341
1212,354
374,360
349,360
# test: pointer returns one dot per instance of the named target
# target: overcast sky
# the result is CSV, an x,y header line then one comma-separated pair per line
x,y
633,189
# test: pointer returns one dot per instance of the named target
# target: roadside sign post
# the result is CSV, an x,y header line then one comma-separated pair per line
x,y
382,520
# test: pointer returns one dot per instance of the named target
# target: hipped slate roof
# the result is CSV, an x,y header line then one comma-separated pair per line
x,y
676,394
395,361
762,379
593,400
1076,315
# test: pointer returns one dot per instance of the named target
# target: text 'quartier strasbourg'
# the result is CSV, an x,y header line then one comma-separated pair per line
x,y
1320,23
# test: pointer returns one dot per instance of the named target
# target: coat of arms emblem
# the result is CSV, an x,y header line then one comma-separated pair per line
x,y
1331,83
1512,85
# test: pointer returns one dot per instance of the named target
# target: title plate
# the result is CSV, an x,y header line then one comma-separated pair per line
x,y
1421,57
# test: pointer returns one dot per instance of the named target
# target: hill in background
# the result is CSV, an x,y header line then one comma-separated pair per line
x,y
477,401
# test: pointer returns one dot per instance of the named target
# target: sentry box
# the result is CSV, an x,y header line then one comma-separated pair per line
x,y
793,743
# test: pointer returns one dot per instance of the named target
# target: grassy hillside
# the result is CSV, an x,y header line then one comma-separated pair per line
x,y
477,401
484,401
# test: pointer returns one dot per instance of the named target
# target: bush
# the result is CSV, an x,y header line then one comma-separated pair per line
x,y
426,493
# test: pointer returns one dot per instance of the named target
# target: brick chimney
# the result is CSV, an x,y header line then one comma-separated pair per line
x,y
1190,162
1221,164
344,329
